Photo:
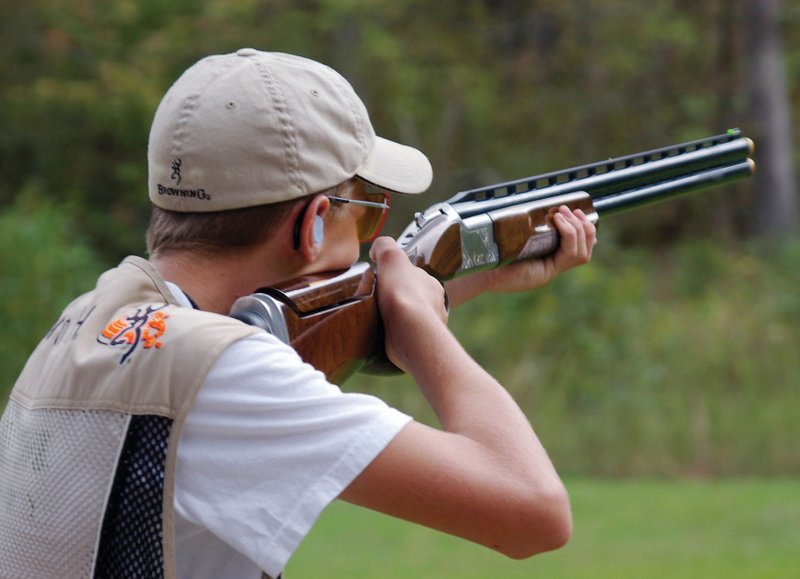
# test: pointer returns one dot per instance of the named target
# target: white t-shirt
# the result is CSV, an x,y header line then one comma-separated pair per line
x,y
267,445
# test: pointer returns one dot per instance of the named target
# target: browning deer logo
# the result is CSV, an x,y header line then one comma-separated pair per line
x,y
143,328
176,171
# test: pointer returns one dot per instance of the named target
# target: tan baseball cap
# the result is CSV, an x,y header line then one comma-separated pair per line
x,y
251,128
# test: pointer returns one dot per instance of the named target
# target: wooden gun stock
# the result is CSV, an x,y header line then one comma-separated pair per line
x,y
333,320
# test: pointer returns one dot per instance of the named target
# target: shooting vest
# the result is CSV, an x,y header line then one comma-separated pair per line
x,y
89,437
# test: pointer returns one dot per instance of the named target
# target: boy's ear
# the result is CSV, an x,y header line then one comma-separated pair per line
x,y
310,230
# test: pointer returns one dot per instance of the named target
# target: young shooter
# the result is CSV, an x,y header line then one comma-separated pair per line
x,y
151,434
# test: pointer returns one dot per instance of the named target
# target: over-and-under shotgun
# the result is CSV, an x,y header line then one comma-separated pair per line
x,y
333,320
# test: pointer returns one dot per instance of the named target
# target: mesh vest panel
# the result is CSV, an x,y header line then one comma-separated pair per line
x,y
50,478
131,539
54,464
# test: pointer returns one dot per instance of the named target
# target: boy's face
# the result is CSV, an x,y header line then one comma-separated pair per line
x,y
347,225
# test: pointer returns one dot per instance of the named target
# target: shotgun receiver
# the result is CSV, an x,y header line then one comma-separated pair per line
x,y
332,320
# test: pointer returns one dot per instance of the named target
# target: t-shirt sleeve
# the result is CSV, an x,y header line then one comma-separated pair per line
x,y
268,444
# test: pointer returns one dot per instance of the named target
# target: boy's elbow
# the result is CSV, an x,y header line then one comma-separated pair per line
x,y
554,533
547,525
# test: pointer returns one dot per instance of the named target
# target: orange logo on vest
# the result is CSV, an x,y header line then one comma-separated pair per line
x,y
143,328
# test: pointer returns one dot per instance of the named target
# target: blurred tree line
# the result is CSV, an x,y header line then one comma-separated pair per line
x,y
491,90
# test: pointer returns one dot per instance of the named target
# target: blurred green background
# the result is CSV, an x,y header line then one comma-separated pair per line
x,y
673,355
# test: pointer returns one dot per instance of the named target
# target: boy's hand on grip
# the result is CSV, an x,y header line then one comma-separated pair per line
x,y
409,299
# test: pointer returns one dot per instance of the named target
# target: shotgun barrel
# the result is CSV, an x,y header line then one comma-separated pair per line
x,y
615,176
486,227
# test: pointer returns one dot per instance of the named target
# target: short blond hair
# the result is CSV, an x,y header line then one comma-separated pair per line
x,y
210,232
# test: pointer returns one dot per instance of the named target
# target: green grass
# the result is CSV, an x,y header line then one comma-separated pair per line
x,y
634,528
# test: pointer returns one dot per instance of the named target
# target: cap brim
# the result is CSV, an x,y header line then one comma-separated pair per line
x,y
398,168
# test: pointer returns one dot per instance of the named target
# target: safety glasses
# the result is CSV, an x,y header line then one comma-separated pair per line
x,y
371,221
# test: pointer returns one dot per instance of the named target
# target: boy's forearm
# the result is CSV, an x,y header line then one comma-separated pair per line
x,y
471,403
